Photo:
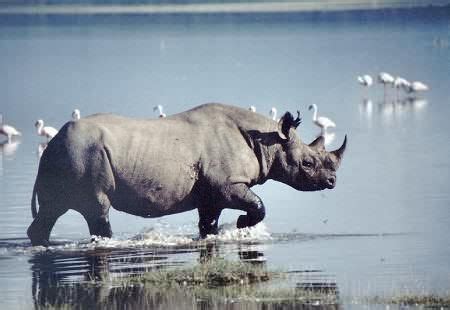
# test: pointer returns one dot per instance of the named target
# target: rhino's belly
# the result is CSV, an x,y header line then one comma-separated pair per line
x,y
155,201
148,208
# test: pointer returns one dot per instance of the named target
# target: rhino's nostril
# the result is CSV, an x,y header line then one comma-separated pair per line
x,y
331,181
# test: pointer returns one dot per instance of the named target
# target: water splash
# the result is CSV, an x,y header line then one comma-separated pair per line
x,y
164,237
228,233
147,238
158,236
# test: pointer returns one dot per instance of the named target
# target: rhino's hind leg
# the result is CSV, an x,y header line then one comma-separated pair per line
x,y
240,197
96,214
41,227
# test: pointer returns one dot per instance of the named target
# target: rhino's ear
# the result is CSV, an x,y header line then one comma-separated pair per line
x,y
286,123
318,144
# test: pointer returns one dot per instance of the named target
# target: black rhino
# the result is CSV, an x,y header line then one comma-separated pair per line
x,y
206,158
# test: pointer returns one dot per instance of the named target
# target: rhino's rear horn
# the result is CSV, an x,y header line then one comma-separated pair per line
x,y
340,151
319,143
297,121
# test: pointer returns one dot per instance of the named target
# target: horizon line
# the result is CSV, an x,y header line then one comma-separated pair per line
x,y
211,8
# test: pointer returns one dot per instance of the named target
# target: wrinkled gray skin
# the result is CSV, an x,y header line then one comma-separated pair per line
x,y
207,158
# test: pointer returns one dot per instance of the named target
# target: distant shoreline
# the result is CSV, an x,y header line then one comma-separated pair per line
x,y
210,8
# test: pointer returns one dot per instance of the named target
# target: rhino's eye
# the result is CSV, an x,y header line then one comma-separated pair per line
x,y
307,163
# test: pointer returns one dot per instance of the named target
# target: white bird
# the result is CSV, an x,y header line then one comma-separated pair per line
x,y
365,80
323,122
252,108
416,87
400,83
76,115
47,131
159,108
273,113
9,131
385,79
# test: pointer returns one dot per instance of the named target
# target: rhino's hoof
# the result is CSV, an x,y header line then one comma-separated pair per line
x,y
242,221
44,243
204,232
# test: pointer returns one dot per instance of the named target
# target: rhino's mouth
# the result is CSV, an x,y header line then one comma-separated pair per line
x,y
330,183
329,186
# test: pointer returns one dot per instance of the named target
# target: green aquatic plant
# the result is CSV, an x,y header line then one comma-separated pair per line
x,y
212,273
427,300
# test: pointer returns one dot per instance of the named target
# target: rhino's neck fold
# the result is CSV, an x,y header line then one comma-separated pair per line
x,y
265,146
266,156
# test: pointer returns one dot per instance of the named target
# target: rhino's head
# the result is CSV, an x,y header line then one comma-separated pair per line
x,y
302,166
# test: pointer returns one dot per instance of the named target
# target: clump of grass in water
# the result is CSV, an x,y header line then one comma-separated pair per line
x,y
212,273
433,301
227,281
252,294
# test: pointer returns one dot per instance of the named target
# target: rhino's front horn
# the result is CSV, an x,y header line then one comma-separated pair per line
x,y
340,151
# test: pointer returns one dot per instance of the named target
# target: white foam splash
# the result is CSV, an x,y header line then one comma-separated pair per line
x,y
228,233
150,238
156,237
160,236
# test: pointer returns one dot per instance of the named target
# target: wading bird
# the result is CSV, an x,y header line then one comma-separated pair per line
x,y
323,122
76,115
273,113
252,108
47,131
8,130
400,83
385,79
159,108
416,87
365,80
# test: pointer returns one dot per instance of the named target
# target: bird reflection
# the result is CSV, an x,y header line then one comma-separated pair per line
x,y
9,148
366,107
415,104
329,137
386,108
389,109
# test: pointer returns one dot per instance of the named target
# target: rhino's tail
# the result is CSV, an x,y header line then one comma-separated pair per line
x,y
33,201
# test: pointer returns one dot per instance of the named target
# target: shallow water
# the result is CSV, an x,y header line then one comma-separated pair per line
x,y
383,229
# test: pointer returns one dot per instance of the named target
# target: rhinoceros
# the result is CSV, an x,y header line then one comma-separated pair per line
x,y
206,158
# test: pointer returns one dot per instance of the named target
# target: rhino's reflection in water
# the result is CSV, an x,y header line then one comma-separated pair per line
x,y
98,279
58,277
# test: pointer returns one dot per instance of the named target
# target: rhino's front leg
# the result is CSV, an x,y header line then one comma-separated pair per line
x,y
240,197
208,223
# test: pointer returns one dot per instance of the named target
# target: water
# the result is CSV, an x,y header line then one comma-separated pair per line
x,y
383,229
